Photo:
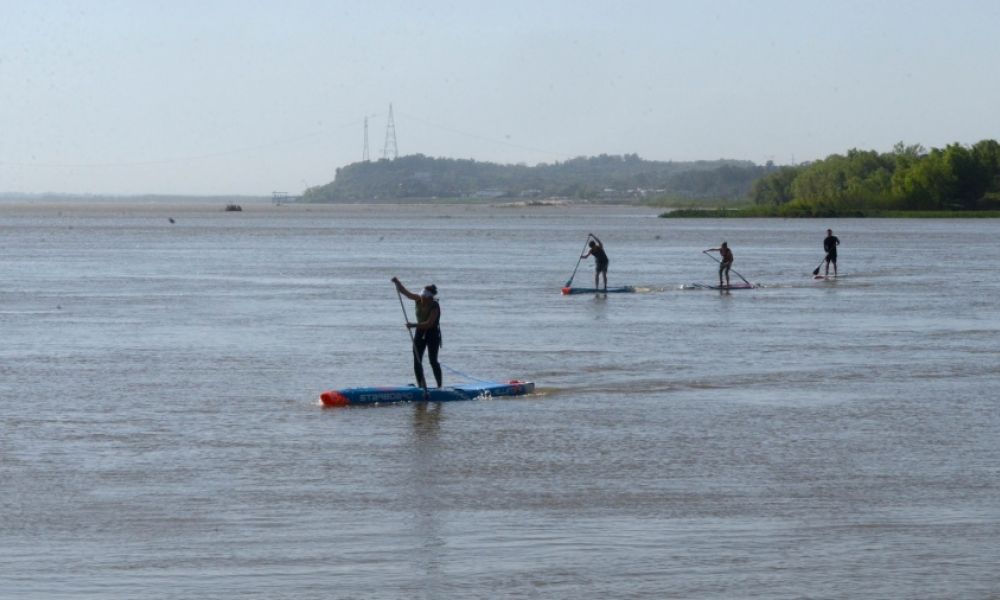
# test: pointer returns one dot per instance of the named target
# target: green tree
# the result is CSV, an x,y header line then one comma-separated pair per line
x,y
775,188
986,153
928,184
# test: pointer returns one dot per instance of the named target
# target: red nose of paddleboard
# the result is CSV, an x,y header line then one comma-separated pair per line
x,y
565,291
331,398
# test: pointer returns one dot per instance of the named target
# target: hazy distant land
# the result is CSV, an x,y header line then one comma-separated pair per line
x,y
70,199
908,181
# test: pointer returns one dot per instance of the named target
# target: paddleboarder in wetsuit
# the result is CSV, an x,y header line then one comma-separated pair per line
x,y
601,258
426,331
725,263
830,247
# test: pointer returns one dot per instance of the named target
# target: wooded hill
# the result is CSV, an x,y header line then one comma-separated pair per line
x,y
601,177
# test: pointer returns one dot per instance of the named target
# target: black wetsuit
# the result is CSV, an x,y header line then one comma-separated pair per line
x,y
830,244
427,339
601,257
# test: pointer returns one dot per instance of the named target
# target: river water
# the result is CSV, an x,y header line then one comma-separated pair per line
x,y
161,436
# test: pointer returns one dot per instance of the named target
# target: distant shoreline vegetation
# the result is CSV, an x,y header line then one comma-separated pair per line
x,y
755,212
954,181
909,181
601,178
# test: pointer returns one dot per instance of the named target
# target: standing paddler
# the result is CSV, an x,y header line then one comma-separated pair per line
x,y
601,258
426,331
830,244
726,263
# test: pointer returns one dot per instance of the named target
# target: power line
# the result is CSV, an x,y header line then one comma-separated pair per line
x,y
364,154
390,138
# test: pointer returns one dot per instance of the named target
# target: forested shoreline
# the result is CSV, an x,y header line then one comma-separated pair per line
x,y
908,181
956,180
605,177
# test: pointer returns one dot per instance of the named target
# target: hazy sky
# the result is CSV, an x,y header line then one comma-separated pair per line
x,y
250,97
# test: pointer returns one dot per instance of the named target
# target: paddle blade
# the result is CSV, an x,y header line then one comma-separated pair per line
x,y
816,271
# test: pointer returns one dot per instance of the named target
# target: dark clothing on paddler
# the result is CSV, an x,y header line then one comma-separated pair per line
x,y
426,331
429,339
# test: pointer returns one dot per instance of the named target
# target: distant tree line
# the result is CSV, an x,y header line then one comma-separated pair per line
x,y
909,178
604,176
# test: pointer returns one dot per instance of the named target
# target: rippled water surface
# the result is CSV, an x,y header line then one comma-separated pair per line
x,y
822,439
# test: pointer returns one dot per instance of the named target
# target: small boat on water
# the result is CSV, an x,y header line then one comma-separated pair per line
x,y
233,208
412,393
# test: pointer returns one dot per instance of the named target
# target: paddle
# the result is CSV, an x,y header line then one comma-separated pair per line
x,y
413,344
569,282
705,252
816,270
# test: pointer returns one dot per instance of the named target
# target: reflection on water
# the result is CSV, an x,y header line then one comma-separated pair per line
x,y
426,422
427,529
